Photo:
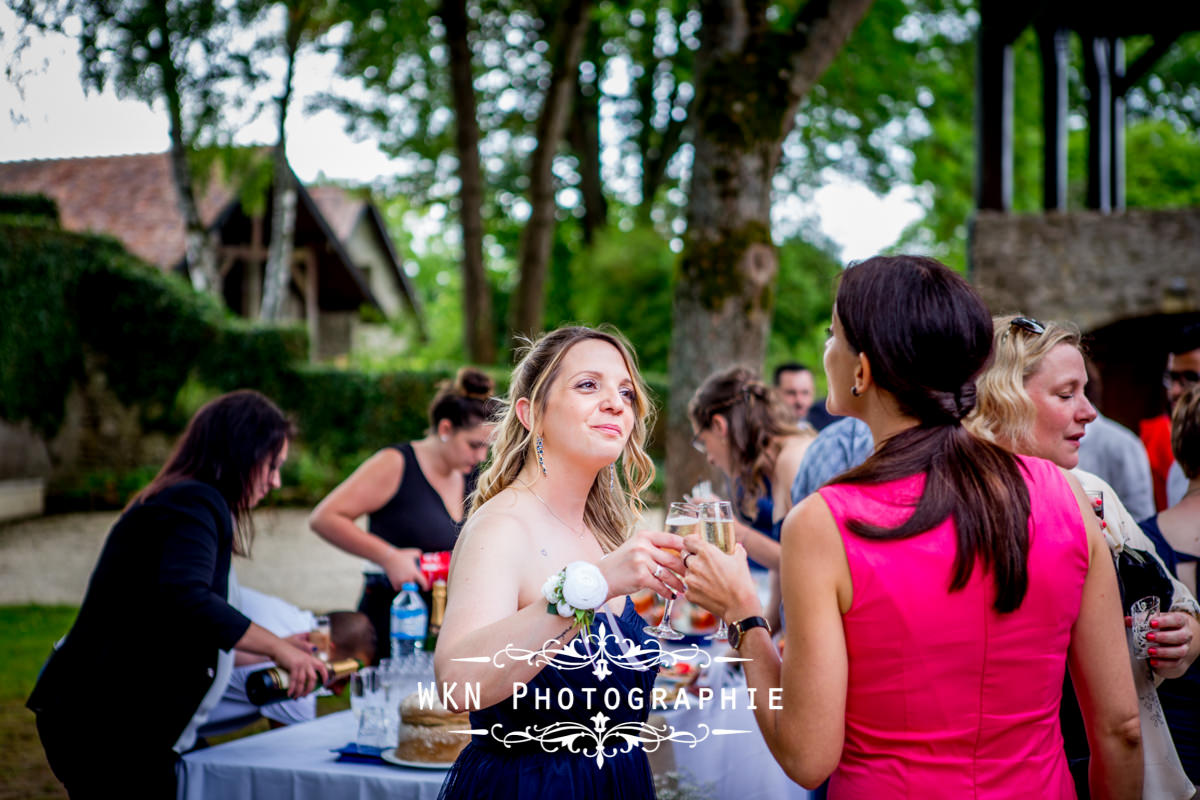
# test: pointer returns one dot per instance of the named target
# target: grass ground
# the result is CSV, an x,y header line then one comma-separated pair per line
x,y
27,633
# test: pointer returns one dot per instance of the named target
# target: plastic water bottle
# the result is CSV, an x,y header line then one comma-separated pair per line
x,y
410,619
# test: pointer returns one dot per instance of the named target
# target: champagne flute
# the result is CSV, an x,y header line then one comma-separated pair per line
x,y
682,520
716,526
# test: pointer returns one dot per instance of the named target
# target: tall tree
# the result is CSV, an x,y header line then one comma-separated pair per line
x,y
750,78
177,52
478,332
538,236
304,21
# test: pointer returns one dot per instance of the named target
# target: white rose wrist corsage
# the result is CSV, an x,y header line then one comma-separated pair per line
x,y
576,591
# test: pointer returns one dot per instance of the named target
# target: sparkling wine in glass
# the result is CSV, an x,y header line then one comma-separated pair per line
x,y
682,520
716,526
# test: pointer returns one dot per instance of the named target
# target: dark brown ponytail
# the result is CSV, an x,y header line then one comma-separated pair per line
x,y
927,336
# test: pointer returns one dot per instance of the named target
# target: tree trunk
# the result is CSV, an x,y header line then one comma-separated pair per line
x,y
200,245
478,330
538,236
749,82
283,202
584,135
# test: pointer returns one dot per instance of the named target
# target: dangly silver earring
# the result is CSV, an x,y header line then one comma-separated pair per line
x,y
540,453
612,476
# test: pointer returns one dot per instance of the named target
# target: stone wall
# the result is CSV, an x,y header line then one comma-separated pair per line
x,y
1129,280
1088,267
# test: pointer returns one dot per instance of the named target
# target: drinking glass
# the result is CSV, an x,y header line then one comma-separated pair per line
x,y
321,636
1142,611
360,683
716,526
373,728
682,519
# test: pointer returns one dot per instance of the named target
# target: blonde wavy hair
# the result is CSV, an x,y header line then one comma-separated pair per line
x,y
1004,414
610,510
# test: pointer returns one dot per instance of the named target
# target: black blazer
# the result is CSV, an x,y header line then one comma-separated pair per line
x,y
143,651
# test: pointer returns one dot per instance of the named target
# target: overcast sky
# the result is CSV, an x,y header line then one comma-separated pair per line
x,y
51,117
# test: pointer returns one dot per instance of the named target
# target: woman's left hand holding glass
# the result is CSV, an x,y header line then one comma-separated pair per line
x,y
720,583
1171,643
644,561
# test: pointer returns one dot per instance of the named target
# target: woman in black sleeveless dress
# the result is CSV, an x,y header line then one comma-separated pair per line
x,y
414,494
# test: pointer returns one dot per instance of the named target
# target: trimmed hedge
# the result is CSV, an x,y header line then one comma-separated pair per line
x,y
69,299
29,207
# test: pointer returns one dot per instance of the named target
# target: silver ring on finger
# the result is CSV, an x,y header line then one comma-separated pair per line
x,y
657,570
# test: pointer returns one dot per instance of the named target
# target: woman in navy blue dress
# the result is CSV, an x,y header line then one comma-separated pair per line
x,y
551,497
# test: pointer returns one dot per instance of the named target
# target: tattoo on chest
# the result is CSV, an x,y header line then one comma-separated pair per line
x,y
544,553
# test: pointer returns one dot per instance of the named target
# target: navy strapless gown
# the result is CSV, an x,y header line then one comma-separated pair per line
x,y
487,769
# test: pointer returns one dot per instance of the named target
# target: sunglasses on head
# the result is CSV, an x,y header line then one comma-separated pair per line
x,y
1028,324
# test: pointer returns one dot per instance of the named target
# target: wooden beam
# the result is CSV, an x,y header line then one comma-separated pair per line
x,y
1116,118
1098,78
994,113
1054,47
1138,69
311,309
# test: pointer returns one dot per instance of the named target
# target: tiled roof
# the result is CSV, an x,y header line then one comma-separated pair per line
x,y
340,208
130,197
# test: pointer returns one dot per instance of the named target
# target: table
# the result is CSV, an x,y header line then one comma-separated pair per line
x,y
297,762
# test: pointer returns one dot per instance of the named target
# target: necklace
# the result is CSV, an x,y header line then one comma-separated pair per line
x,y
561,521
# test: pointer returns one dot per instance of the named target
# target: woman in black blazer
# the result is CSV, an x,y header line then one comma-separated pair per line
x,y
120,698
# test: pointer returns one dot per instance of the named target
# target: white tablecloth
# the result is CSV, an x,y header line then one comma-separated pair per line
x,y
296,762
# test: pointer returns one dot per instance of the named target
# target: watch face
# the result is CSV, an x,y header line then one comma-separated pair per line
x,y
735,635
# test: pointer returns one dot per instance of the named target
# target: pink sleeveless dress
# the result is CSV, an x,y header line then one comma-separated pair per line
x,y
946,697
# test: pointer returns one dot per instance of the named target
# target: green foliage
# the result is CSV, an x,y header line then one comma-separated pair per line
x,y
807,282
165,350
39,351
624,279
31,206
1160,168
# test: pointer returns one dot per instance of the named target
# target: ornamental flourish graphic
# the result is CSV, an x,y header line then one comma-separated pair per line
x,y
600,650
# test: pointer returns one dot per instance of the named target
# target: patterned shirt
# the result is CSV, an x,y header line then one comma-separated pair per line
x,y
843,445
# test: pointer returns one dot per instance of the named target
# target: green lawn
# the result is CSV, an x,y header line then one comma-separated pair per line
x,y
27,633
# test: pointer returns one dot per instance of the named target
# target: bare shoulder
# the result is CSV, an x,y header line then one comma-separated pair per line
x,y
810,523
791,454
496,526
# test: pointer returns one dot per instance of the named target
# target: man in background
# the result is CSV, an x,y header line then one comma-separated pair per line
x,y
796,386
1115,453
1183,372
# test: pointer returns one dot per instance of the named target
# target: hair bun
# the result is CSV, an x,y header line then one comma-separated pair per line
x,y
471,382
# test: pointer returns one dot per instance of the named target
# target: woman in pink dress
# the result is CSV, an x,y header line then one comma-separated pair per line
x,y
935,594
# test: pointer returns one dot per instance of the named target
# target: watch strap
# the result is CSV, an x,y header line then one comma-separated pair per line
x,y
740,628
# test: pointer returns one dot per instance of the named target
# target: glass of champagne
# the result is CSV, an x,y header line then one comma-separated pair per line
x,y
716,526
683,520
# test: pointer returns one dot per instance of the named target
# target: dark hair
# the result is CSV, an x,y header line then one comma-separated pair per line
x,y
224,445
788,366
1185,433
757,421
928,335
352,633
1186,340
465,402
